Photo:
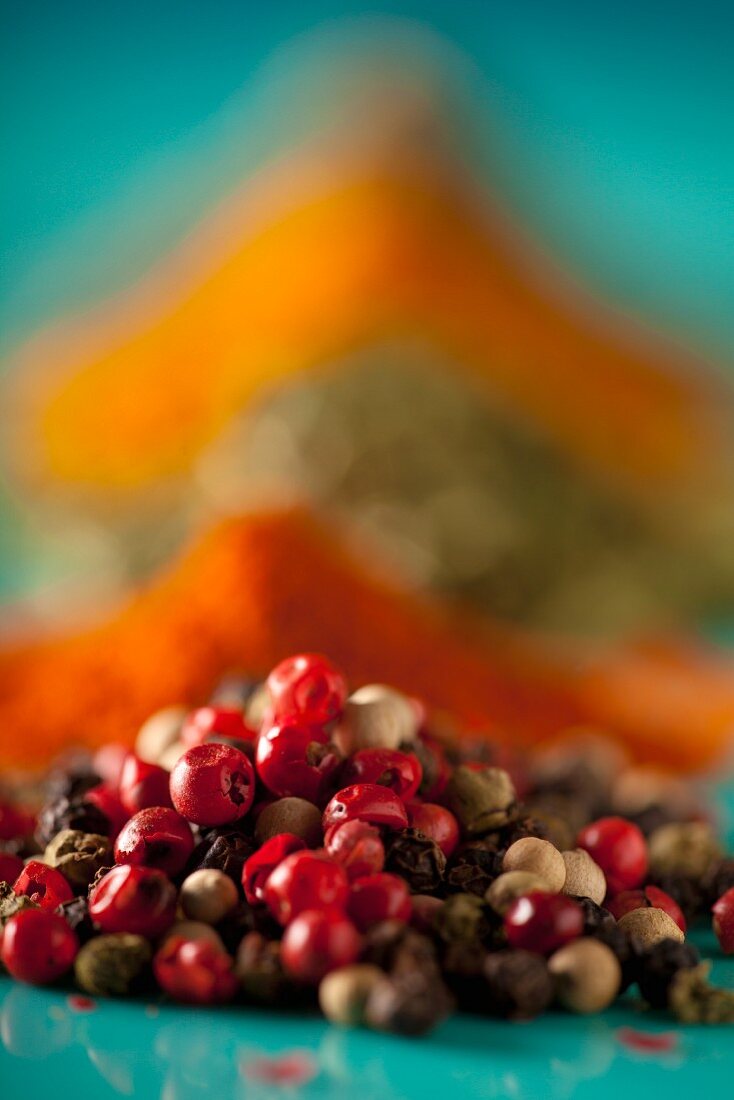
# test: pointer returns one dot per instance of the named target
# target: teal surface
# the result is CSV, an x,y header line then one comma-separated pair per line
x,y
56,1049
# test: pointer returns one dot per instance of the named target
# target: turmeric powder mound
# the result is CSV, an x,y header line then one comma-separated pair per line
x,y
257,588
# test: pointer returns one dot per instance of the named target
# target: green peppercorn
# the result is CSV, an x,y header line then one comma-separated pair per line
x,y
113,965
481,800
78,856
11,903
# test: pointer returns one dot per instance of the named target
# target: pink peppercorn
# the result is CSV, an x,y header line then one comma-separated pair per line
x,y
263,862
379,897
620,849
140,900
142,785
208,723
305,880
38,946
195,971
308,686
213,784
435,822
357,846
649,897
156,837
723,911
401,772
295,759
366,802
318,941
44,885
108,801
543,922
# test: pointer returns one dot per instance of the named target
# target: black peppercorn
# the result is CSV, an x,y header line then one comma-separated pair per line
x,y
595,916
222,850
12,903
416,858
393,945
261,975
689,892
462,966
518,985
409,1004
658,967
473,868
717,880
623,947
70,813
76,915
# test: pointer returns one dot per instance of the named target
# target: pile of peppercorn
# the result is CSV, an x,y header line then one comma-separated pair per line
x,y
290,843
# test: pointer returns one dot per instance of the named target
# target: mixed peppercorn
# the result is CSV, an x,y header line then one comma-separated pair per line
x,y
291,843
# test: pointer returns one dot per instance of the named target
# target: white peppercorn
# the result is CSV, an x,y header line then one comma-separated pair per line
x,y
208,895
344,992
159,733
584,876
195,930
587,975
538,856
378,716
290,815
646,927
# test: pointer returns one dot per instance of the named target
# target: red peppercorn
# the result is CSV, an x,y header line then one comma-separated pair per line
x,y
649,897
308,686
379,897
357,846
723,911
213,784
38,946
436,822
208,723
305,880
156,837
543,922
366,802
140,900
318,941
10,867
195,971
108,801
295,759
44,885
142,785
620,849
263,862
400,771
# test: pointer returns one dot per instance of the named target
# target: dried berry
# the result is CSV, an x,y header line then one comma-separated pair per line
x,y
343,994
584,877
259,970
473,868
76,915
659,965
75,813
222,849
587,975
540,858
695,1001
115,965
11,903
208,896
519,986
411,1004
481,800
418,859
78,856
292,815
683,848
463,919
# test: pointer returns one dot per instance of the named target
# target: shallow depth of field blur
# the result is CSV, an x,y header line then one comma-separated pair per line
x,y
458,276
